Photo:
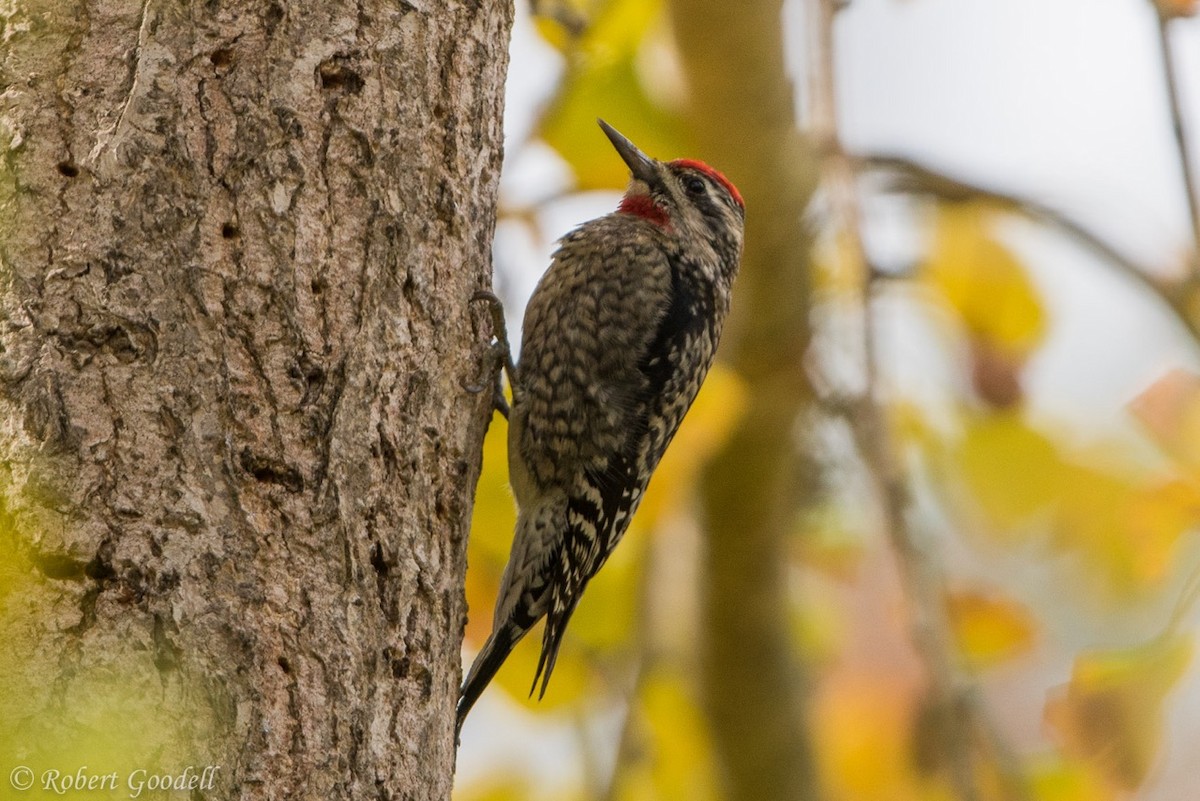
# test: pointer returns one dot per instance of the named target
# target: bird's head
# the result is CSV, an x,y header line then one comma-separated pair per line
x,y
687,198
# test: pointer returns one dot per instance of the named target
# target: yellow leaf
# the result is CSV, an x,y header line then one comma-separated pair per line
x,y
983,281
988,627
100,708
508,785
1127,526
604,79
1157,517
670,751
862,726
1111,712
1013,471
1129,531
117,714
1170,411
1058,780
16,571
496,788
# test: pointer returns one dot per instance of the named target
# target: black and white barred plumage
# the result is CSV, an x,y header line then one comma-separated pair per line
x,y
617,338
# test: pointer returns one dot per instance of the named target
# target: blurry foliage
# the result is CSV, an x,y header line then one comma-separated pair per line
x,y
982,281
1103,520
1126,522
1111,712
668,752
104,710
606,74
1054,779
1170,411
989,629
861,724
507,784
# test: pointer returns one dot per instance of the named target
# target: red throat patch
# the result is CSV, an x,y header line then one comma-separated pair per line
x,y
644,206
716,175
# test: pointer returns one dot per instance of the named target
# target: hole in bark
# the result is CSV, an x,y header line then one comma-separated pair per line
x,y
285,665
134,584
400,668
68,168
116,265
425,679
273,17
167,581
308,376
221,58
229,230
271,471
99,569
318,286
288,123
377,560
335,74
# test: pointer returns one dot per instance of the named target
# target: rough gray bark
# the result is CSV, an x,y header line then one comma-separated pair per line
x,y
238,239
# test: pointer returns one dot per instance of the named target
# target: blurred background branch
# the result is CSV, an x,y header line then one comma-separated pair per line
x,y
742,116
913,178
964,720
1187,166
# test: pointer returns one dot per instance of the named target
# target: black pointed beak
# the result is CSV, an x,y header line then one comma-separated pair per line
x,y
641,165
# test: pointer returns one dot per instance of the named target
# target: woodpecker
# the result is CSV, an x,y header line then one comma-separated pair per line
x,y
617,338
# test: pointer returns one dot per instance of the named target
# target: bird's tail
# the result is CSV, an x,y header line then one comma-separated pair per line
x,y
556,625
522,601
483,669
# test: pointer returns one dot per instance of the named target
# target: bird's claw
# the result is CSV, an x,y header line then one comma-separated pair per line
x,y
499,357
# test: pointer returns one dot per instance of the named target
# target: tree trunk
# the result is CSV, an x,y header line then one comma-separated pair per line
x,y
238,241
744,118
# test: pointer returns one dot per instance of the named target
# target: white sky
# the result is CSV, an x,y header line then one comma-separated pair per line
x,y
1060,99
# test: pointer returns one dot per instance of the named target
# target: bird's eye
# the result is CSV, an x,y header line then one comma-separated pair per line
x,y
693,185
